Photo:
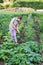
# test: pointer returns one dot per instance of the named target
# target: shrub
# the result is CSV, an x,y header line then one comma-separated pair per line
x,y
1,6
35,5
6,5
1,1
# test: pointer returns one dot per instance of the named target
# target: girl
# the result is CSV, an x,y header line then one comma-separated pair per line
x,y
13,27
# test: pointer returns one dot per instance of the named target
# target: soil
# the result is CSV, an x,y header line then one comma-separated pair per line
x,y
2,63
19,9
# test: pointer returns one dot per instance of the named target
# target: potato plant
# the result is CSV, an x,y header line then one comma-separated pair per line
x,y
29,51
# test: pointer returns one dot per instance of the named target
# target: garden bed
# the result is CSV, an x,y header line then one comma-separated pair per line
x,y
29,52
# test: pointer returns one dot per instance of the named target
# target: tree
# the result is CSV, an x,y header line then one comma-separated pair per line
x,y
1,1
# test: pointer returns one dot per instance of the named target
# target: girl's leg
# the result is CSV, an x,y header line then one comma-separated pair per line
x,y
14,38
13,35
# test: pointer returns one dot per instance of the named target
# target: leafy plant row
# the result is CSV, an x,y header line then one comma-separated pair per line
x,y
26,53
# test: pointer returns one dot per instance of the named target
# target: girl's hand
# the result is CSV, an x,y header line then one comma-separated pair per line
x,y
18,31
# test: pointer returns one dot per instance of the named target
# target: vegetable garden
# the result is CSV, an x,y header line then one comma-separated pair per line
x,y
30,48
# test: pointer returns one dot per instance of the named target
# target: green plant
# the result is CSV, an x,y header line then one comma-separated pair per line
x,y
23,53
24,26
6,5
1,6
26,53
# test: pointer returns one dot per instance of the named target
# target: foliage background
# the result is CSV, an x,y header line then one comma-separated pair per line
x,y
36,4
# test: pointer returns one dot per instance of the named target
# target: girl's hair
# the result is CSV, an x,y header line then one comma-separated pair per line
x,y
19,17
